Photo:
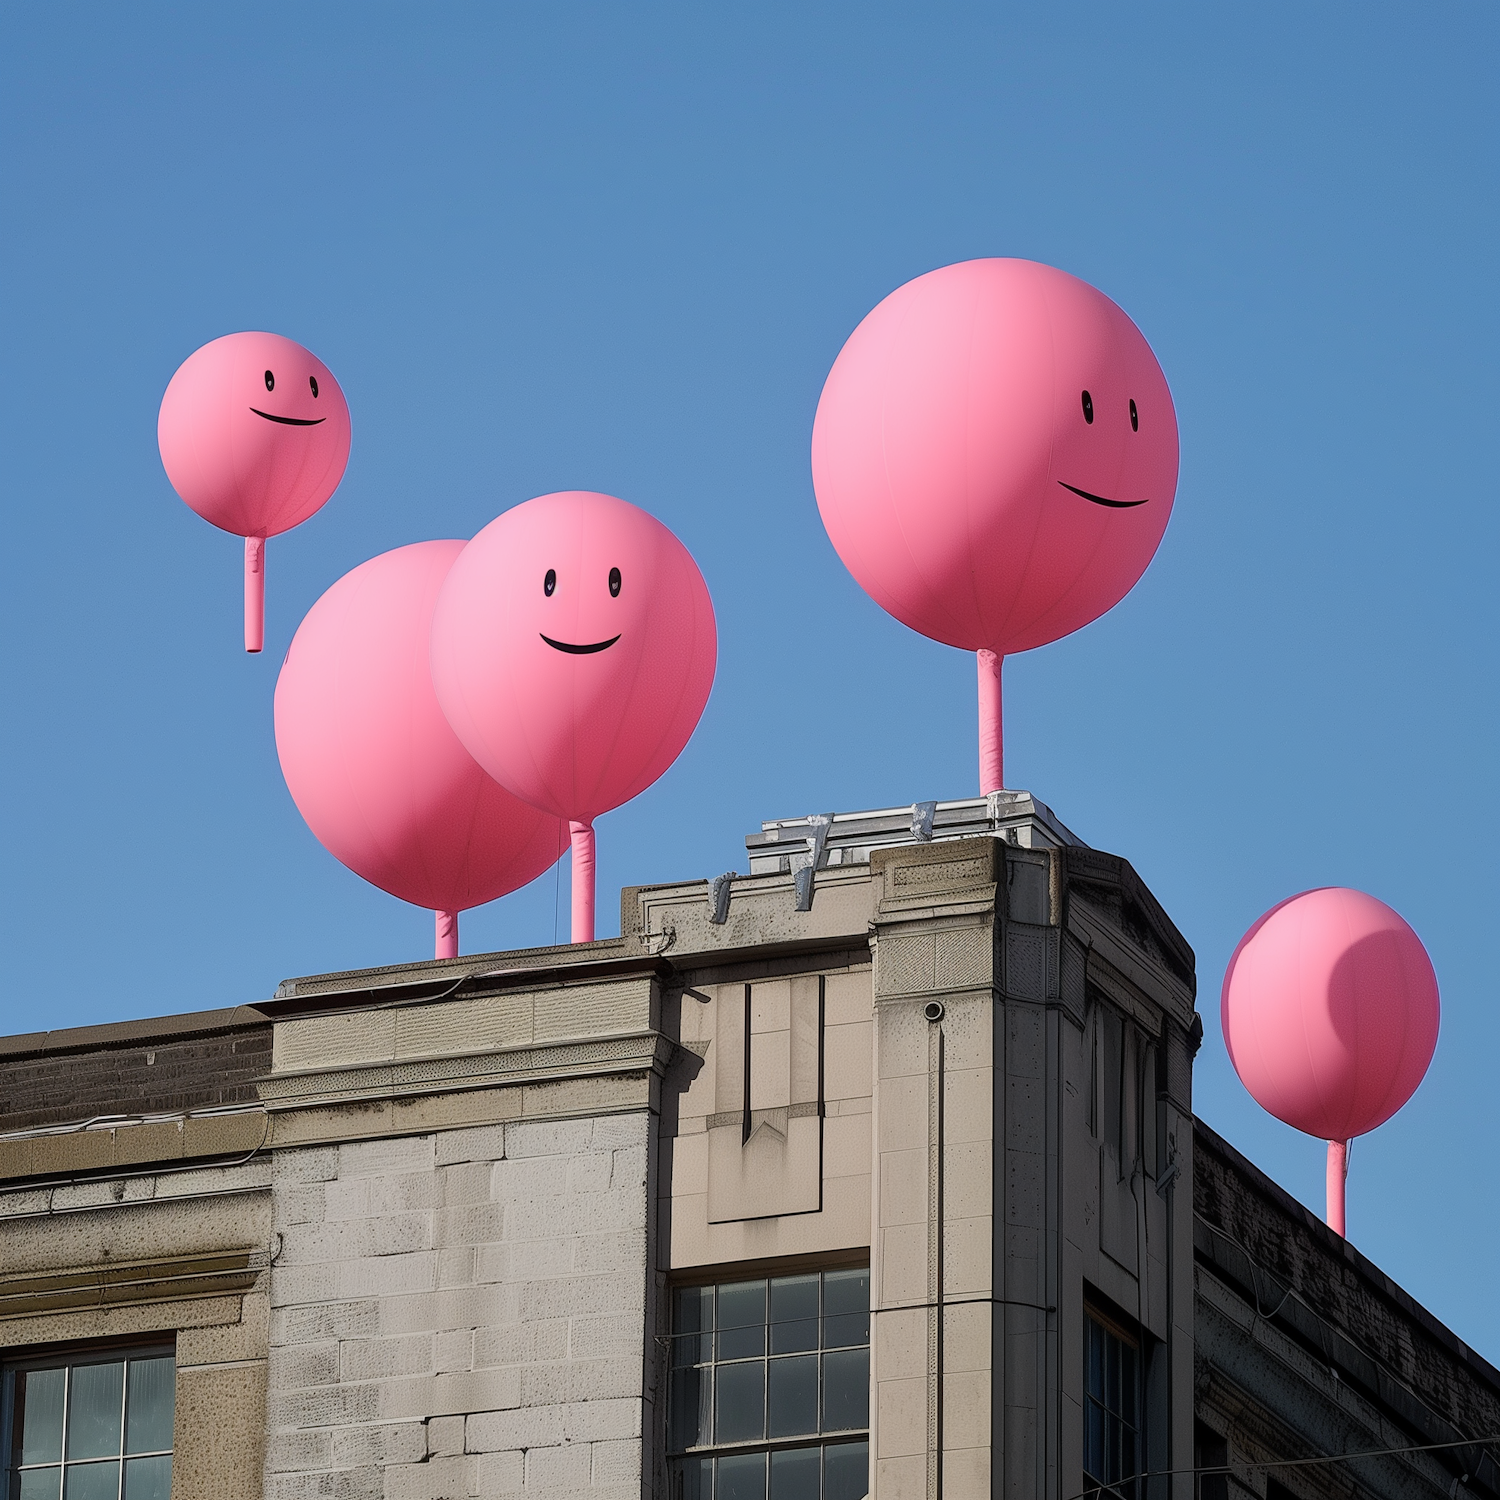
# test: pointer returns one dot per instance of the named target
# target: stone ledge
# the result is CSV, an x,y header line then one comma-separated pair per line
x,y
635,1052
166,1279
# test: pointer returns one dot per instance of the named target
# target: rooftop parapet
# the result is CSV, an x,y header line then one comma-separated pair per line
x,y
820,841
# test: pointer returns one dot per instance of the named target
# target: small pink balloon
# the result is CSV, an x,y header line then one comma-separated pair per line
x,y
1330,1012
370,760
573,649
254,435
995,454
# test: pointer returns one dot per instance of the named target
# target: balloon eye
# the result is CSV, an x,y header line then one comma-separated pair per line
x,y
614,583
1135,419
270,381
1088,407
549,582
312,380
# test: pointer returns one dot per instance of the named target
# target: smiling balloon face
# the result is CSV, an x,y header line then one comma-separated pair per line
x,y
254,433
995,454
573,649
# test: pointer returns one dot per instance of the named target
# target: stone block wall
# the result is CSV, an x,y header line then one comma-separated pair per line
x,y
176,1258
462,1313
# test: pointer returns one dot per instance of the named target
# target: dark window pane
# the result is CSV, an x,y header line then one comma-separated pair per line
x,y
794,1315
92,1481
742,1319
1127,1383
39,1408
739,1402
1093,1439
695,1479
794,1475
94,1402
692,1326
846,1471
793,1395
40,1484
149,1387
846,1390
742,1477
148,1478
846,1308
1096,1362
689,1408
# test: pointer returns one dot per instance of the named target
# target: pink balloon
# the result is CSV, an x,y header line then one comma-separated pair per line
x,y
254,435
573,649
1330,1012
370,760
995,454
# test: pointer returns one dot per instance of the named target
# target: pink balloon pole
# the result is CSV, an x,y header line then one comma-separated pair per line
x,y
1338,1173
583,881
1330,1012
991,724
255,593
573,649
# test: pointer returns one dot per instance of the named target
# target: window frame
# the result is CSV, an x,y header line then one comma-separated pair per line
x,y
677,1458
1126,1486
68,1356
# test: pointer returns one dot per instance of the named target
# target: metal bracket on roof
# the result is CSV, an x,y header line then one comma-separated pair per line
x,y
718,898
922,814
805,864
657,943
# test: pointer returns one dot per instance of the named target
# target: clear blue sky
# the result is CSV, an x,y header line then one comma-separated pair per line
x,y
617,247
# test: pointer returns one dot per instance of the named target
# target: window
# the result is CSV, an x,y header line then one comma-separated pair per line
x,y
1211,1452
91,1427
770,1389
1111,1405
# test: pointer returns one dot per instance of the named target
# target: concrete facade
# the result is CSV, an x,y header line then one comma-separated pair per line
x,y
416,1232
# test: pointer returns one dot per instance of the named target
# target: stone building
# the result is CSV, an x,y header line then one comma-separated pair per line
x,y
871,1171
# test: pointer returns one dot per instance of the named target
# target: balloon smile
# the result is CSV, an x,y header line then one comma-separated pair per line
x,y
573,650
1099,499
289,421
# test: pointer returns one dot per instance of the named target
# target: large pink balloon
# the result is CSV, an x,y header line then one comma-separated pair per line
x,y
995,459
573,649
995,454
1330,1012
370,760
254,435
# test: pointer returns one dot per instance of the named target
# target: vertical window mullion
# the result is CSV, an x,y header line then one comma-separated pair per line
x,y
62,1457
124,1396
820,1316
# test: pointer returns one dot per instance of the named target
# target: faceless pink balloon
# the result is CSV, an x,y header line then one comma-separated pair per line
x,y
573,649
371,762
995,459
254,435
1330,1014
